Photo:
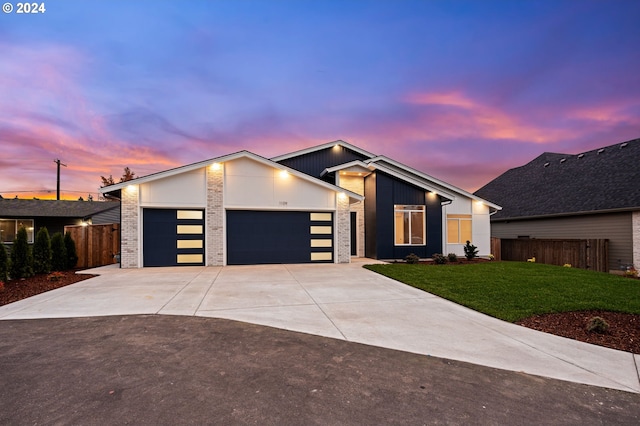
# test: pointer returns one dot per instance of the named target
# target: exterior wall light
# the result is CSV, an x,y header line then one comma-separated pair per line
x,y
215,166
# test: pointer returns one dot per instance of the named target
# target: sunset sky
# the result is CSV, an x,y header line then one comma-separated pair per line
x,y
461,90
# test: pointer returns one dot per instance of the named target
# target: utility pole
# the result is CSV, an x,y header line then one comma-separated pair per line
x,y
57,161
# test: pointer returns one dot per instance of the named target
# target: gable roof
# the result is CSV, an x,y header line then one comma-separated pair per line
x,y
553,184
309,150
53,208
222,159
380,162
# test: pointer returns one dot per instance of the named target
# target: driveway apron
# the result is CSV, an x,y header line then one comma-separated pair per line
x,y
342,301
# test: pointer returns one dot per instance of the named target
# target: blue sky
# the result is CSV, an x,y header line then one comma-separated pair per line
x,y
461,90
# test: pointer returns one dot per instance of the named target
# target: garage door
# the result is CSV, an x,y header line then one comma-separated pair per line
x,y
173,237
255,237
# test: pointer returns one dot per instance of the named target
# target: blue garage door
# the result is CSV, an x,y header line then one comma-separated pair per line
x,y
255,237
173,237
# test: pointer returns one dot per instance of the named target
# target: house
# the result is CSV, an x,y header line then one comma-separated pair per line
x,y
52,214
594,194
321,204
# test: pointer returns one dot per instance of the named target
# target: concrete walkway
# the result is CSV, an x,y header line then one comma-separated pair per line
x,y
344,302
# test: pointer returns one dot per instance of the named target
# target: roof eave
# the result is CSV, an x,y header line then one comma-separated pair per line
x,y
565,214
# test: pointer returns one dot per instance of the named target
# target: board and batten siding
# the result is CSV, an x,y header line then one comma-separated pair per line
x,y
616,227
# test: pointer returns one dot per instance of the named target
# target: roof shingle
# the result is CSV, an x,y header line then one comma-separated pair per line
x,y
556,184
53,208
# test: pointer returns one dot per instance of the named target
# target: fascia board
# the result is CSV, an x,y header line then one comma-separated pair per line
x,y
354,163
321,147
416,182
173,172
406,169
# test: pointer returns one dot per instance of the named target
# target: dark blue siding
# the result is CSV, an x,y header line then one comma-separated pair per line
x,y
315,162
390,191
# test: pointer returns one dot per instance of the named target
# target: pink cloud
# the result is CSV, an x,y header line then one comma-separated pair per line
x,y
45,114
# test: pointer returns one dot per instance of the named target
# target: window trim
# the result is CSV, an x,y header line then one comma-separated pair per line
x,y
30,230
402,208
458,218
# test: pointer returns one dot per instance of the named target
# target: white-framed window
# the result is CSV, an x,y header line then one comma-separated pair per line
x,y
458,228
9,229
409,225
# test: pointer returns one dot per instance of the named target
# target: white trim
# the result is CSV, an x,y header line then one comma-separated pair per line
x,y
281,209
424,224
438,182
338,142
354,163
230,157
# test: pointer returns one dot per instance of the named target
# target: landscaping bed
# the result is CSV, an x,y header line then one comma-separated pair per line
x,y
15,290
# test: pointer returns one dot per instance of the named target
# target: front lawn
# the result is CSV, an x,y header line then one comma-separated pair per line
x,y
515,290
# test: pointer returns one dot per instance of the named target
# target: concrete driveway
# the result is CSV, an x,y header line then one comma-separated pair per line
x,y
344,302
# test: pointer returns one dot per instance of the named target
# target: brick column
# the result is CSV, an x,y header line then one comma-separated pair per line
x,y
129,227
343,229
635,229
215,215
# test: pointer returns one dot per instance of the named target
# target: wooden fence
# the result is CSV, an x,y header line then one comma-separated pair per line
x,y
586,254
496,248
96,244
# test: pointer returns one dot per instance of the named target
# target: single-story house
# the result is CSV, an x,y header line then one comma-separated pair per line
x,y
321,204
53,214
591,195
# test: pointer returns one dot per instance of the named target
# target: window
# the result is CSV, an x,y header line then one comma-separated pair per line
x,y
458,228
9,228
409,225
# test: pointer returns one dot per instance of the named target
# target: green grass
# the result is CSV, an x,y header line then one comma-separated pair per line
x,y
515,290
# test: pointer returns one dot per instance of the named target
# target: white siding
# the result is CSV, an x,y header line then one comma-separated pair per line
x,y
480,228
249,184
187,189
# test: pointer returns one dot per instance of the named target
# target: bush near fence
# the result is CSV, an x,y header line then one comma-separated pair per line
x,y
96,245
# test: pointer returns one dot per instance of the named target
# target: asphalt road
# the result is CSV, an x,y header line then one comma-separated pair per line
x,y
159,369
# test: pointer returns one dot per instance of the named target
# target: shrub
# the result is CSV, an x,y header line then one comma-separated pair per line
x,y
470,251
439,259
597,325
21,260
4,263
70,246
42,252
412,258
452,257
58,253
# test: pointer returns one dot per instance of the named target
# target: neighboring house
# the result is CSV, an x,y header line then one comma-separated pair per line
x,y
592,195
322,204
52,214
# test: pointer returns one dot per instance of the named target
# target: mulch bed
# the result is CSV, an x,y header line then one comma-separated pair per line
x,y
15,290
623,333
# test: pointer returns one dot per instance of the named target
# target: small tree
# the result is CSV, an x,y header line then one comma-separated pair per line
x,y
21,260
42,252
470,251
4,263
58,252
70,246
